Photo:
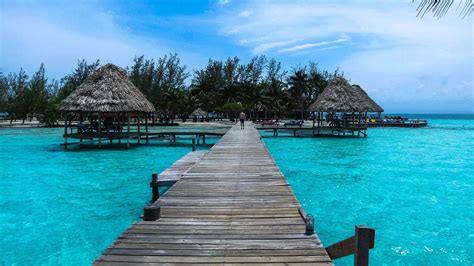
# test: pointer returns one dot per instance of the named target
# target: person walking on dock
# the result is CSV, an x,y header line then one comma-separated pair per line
x,y
242,120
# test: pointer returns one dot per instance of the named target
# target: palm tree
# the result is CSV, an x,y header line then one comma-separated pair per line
x,y
298,82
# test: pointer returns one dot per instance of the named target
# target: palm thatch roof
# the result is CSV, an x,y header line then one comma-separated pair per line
x,y
107,90
340,96
199,112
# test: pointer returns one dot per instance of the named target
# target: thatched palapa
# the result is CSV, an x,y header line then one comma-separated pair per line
x,y
107,90
199,112
340,96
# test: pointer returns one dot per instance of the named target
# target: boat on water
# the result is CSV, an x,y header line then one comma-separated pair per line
x,y
395,121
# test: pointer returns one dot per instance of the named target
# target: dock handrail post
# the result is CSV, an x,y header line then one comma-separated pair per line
x,y
194,144
154,187
364,241
309,225
151,213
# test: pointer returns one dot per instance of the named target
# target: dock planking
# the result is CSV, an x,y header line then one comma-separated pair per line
x,y
234,206
181,166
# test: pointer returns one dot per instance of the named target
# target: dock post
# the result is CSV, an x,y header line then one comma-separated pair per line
x,y
364,240
193,141
120,131
65,130
128,130
100,131
309,225
146,126
138,127
151,213
154,187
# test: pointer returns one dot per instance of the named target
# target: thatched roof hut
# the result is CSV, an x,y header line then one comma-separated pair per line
x,y
107,90
199,112
340,96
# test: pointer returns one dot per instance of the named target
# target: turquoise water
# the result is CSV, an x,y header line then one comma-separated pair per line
x,y
414,186
66,207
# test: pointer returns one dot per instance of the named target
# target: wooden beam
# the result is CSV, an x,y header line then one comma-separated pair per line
x,y
342,248
359,245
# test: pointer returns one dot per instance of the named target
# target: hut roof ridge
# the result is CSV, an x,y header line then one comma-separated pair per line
x,y
107,90
340,96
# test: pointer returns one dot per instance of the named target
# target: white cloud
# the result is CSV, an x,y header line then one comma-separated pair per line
x,y
262,48
245,13
391,52
311,45
30,37
223,2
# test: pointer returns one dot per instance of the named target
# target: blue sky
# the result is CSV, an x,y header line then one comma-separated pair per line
x,y
405,63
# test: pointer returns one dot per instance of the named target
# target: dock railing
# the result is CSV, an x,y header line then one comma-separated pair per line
x,y
358,245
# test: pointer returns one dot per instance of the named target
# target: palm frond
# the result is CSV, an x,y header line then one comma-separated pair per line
x,y
439,8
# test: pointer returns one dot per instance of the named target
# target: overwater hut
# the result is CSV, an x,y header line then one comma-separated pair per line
x,y
346,105
199,113
109,101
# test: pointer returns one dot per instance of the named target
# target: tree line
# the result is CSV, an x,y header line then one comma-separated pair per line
x,y
260,87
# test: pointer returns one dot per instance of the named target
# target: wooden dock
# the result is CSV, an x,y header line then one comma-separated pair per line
x,y
325,131
180,167
233,206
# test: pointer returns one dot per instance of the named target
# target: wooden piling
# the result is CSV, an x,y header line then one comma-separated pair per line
x,y
66,116
146,126
128,130
154,187
309,229
99,130
364,241
138,127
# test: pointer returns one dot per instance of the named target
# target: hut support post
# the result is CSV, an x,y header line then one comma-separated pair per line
x,y
146,126
139,136
66,116
128,130
118,128
99,129
81,121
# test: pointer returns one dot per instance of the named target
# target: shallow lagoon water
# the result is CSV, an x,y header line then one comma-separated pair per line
x,y
66,207
414,186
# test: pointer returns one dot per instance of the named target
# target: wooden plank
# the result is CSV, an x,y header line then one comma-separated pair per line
x,y
232,206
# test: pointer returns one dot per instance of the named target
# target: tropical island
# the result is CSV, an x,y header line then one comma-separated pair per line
x,y
285,132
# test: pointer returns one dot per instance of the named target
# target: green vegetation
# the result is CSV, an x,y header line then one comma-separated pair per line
x,y
260,87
